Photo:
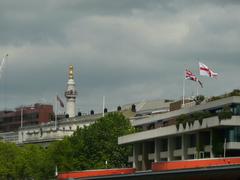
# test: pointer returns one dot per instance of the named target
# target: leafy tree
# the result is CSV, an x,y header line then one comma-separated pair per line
x,y
61,153
8,156
90,147
37,163
226,113
198,99
98,143
182,119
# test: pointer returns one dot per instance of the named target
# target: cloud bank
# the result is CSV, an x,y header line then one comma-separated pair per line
x,y
128,50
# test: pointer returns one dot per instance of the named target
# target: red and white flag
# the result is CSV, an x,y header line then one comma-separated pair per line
x,y
206,71
190,76
60,101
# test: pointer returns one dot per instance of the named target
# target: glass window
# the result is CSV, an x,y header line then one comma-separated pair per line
x,y
233,134
164,145
192,140
178,142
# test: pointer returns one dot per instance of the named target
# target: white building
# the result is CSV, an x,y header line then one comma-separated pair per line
x,y
46,133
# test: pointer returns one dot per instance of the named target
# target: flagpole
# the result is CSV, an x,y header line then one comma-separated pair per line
x,y
103,105
56,109
183,100
197,89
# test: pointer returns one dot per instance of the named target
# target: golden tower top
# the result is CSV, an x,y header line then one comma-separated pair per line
x,y
70,72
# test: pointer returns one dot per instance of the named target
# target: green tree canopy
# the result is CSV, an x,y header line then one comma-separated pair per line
x,y
88,148
92,146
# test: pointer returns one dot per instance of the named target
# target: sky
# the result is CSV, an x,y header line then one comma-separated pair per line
x,y
127,51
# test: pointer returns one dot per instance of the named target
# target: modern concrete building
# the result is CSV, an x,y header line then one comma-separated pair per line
x,y
208,130
148,107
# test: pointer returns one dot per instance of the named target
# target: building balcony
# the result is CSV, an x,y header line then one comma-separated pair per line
x,y
177,152
207,123
233,145
70,93
151,156
191,151
139,157
207,148
164,154
130,159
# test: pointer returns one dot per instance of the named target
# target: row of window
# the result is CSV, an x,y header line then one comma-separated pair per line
x,y
235,108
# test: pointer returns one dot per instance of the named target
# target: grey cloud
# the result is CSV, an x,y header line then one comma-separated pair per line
x,y
125,50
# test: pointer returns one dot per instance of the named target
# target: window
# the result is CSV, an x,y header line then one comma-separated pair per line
x,y
192,140
178,142
205,138
236,109
164,145
233,134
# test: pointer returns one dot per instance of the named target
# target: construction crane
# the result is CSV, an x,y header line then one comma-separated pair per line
x,y
2,64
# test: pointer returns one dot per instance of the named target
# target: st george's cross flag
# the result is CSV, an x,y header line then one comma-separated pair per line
x,y
190,76
206,71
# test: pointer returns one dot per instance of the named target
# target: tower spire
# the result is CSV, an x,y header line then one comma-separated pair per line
x,y
70,72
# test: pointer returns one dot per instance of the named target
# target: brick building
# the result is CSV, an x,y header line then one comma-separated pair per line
x,y
25,116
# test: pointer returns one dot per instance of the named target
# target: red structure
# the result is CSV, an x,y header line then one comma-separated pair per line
x,y
195,163
29,115
95,173
170,169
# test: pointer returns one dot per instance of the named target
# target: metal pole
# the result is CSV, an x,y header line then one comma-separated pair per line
x,y
183,101
197,89
21,117
56,109
56,171
103,105
224,147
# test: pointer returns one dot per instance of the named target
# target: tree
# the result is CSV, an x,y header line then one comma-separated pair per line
x,y
198,99
8,156
88,148
98,143
61,153
226,113
37,163
91,146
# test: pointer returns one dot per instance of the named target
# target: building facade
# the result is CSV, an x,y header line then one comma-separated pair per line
x,y
208,130
46,133
25,116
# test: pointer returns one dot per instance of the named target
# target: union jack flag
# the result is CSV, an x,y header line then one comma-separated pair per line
x,y
190,76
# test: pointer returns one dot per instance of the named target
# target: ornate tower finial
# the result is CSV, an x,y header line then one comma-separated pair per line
x,y
71,72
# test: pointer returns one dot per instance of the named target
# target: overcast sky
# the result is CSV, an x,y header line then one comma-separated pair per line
x,y
127,50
